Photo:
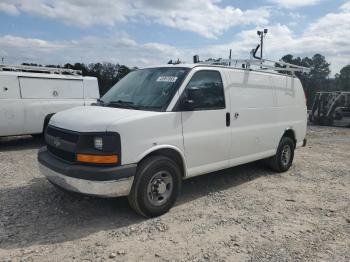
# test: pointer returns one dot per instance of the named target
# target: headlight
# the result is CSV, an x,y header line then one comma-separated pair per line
x,y
99,148
98,143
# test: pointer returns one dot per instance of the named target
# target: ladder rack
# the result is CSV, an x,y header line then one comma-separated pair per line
x,y
39,69
261,64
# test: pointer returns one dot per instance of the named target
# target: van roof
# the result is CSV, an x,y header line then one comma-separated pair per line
x,y
221,66
43,75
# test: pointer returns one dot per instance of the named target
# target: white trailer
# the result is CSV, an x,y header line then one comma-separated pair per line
x,y
29,96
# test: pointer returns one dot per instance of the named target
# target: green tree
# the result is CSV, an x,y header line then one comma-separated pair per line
x,y
319,67
317,79
108,74
31,64
122,71
343,78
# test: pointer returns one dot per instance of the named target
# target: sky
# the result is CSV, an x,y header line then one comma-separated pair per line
x,y
151,32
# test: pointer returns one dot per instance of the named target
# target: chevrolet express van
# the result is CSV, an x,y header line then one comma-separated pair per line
x,y
160,125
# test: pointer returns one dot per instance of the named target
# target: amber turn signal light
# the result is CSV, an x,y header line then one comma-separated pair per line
x,y
97,159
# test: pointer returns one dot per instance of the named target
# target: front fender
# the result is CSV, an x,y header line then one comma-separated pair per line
x,y
159,147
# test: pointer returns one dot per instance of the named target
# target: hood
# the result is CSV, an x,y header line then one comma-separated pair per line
x,y
94,118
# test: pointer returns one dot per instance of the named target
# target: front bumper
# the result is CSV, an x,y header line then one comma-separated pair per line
x,y
89,180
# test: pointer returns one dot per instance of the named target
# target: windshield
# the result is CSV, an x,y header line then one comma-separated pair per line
x,y
146,89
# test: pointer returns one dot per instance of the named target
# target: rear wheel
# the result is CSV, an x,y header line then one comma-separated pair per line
x,y
156,186
283,159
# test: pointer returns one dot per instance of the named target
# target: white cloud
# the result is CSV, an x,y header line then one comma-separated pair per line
x,y
117,49
326,35
8,8
346,6
201,16
204,17
13,42
291,4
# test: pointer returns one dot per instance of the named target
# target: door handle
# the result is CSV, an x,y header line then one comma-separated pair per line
x,y
236,115
228,119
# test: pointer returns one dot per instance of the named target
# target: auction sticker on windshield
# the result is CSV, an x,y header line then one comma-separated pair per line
x,y
171,79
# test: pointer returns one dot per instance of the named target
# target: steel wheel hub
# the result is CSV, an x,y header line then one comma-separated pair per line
x,y
159,188
286,154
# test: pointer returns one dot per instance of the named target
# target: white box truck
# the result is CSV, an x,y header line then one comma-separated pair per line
x,y
29,96
160,125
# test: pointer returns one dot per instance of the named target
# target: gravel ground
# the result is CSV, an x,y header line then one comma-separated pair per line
x,y
247,213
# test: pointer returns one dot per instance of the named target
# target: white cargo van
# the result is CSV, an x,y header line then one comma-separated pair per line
x,y
29,96
160,125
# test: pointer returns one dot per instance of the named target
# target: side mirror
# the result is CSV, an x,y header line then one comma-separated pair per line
x,y
187,104
188,101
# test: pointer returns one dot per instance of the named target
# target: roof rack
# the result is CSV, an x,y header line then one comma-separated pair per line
x,y
257,61
40,69
261,64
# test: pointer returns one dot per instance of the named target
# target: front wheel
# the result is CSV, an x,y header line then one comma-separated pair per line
x,y
156,186
283,159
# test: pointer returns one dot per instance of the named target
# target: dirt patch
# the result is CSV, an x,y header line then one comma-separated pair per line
x,y
247,213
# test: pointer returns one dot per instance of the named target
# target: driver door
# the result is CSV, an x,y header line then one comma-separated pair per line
x,y
206,123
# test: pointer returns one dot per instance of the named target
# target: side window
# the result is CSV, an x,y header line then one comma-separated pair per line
x,y
205,90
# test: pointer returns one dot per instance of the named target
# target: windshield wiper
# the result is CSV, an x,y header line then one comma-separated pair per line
x,y
120,103
99,102
149,108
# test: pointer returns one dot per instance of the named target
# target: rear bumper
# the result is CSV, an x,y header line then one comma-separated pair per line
x,y
89,180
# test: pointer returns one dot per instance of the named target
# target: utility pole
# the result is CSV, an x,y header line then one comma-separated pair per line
x,y
262,34
230,57
2,60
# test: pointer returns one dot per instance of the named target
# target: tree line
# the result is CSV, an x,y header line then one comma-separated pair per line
x,y
318,79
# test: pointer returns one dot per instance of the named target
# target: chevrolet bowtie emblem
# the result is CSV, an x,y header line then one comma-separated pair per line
x,y
57,141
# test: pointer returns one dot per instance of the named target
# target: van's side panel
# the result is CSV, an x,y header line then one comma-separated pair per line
x,y
27,98
11,108
47,88
292,111
253,103
45,96
91,91
37,109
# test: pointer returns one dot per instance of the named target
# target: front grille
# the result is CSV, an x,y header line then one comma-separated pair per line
x,y
64,155
67,135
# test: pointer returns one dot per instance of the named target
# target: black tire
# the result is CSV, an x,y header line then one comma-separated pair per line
x,y
311,118
283,159
145,196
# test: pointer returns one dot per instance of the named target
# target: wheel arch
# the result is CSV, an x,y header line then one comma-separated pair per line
x,y
47,120
167,150
290,132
